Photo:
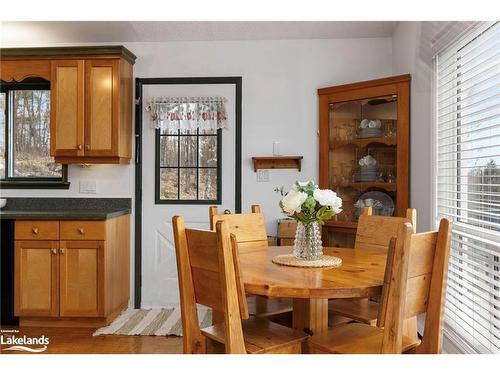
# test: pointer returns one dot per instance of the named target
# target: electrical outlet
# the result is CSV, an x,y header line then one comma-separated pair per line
x,y
262,175
88,186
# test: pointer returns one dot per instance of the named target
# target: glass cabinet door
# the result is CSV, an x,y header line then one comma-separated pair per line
x,y
362,158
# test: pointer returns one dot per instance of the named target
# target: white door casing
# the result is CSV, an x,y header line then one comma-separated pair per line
x,y
159,270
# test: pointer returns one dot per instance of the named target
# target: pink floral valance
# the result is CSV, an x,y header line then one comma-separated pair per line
x,y
171,114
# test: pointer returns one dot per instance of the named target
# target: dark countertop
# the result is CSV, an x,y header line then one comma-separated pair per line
x,y
65,208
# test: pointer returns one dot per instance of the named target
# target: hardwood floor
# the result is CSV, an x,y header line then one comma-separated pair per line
x,y
81,341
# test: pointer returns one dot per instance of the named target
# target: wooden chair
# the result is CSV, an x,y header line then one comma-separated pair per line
x,y
414,283
374,232
250,231
209,274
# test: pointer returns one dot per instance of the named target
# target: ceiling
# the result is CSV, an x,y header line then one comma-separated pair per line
x,y
34,33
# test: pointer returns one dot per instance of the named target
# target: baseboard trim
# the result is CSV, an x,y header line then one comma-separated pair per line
x,y
87,322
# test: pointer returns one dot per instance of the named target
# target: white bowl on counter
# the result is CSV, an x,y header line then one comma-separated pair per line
x,y
3,202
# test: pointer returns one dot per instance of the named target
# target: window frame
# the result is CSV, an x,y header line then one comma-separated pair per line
x,y
9,182
158,169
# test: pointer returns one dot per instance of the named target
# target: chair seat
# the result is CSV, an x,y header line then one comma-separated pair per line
x,y
335,320
361,310
355,338
261,336
263,307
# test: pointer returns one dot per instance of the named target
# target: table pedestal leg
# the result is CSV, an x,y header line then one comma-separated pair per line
x,y
310,315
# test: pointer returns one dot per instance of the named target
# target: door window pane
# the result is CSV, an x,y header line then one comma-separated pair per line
x,y
189,151
208,184
188,184
208,151
188,166
168,151
168,183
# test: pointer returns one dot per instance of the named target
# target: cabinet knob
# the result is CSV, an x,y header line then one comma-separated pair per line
x,y
62,251
35,230
87,147
53,251
79,147
80,230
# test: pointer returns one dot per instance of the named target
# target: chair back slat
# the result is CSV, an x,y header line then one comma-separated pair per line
x,y
205,270
375,232
422,253
249,228
423,248
417,295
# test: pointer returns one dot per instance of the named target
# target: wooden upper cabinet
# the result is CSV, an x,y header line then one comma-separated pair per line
x,y
81,267
92,109
102,107
36,278
91,98
67,108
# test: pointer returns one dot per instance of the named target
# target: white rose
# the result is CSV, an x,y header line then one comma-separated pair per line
x,y
327,197
292,202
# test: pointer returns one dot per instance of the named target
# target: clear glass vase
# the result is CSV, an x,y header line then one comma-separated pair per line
x,y
308,245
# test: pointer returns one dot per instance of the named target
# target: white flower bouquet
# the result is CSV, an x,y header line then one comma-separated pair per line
x,y
309,204
311,207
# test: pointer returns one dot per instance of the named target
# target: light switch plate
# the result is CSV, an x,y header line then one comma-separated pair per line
x,y
88,187
262,175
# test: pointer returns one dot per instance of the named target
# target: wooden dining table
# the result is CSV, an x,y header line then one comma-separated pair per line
x,y
361,274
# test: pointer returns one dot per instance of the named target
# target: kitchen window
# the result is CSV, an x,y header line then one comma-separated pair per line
x,y
468,184
25,160
188,166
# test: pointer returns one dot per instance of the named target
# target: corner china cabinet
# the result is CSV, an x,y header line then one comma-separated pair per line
x,y
364,151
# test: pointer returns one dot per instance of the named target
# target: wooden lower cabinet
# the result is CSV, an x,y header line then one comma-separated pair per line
x,y
36,278
81,278
67,282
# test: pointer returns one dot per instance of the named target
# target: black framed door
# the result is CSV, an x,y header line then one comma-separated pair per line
x,y
140,84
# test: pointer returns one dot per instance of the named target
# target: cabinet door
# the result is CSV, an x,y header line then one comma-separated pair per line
x,y
81,278
67,112
36,278
102,107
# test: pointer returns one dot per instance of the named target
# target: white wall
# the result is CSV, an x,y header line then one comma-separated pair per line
x,y
280,103
406,59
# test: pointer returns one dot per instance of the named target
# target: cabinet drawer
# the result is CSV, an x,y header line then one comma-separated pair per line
x,y
83,230
37,230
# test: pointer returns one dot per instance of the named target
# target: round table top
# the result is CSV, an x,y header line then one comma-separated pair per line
x,y
360,275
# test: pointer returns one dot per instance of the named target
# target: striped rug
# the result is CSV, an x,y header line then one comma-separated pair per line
x,y
151,322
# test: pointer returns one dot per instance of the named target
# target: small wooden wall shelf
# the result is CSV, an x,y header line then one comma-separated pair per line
x,y
277,162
